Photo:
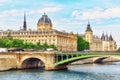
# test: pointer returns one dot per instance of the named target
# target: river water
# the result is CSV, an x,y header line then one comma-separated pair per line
x,y
109,71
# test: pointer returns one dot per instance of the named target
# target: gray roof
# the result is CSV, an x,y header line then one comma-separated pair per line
x,y
44,19
110,38
106,38
88,27
103,37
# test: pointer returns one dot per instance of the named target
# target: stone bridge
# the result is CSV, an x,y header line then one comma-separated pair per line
x,y
20,60
47,60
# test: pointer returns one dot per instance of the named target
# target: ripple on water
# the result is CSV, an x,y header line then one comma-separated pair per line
x,y
76,72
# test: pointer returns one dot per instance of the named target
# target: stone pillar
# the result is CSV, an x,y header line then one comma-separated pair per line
x,y
50,60
49,67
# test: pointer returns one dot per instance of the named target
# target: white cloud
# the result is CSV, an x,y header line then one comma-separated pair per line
x,y
14,17
46,9
97,13
9,13
51,9
49,4
16,12
2,2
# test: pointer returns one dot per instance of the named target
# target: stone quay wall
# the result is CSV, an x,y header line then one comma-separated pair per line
x,y
8,61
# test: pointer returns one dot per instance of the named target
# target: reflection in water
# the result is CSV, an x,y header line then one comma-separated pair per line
x,y
109,71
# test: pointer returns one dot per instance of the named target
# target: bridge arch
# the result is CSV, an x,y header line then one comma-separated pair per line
x,y
32,62
99,59
70,60
73,59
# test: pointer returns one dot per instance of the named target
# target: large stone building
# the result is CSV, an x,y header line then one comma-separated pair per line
x,y
105,43
44,34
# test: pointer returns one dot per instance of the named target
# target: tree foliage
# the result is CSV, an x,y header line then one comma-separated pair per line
x,y
53,46
17,43
82,44
9,42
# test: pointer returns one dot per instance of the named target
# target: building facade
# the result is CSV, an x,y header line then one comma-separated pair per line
x,y
105,43
44,34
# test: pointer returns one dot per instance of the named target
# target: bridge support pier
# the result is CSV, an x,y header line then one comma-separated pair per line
x,y
62,67
49,68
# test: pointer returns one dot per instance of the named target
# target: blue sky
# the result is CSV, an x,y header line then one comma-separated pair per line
x,y
69,15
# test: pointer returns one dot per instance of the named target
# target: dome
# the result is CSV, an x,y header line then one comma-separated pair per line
x,y
44,20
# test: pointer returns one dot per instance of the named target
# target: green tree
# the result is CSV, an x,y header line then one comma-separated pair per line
x,y
38,45
53,46
45,46
17,43
29,46
82,44
3,42
8,42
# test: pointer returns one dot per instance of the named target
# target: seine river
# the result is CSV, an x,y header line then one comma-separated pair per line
x,y
109,71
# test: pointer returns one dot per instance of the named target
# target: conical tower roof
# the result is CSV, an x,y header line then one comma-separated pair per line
x,y
88,27
106,37
110,38
103,37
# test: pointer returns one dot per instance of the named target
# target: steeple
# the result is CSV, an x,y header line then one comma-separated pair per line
x,y
88,27
24,23
110,38
106,37
103,37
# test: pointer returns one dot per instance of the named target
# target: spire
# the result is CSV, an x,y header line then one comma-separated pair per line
x,y
103,37
106,37
110,38
44,13
24,23
88,27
